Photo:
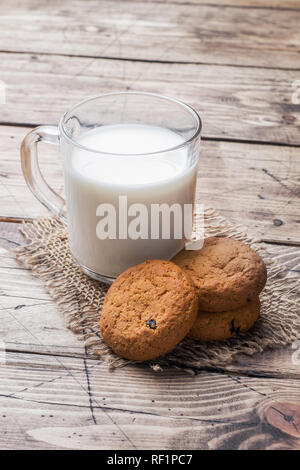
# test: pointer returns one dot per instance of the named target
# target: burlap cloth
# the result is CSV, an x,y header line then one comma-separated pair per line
x,y
80,298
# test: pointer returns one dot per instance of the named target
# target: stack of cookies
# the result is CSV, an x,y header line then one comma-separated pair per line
x,y
209,294
229,277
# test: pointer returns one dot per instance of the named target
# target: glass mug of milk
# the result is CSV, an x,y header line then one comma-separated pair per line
x,y
120,151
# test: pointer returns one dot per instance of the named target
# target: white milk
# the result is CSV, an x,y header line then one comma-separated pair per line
x,y
93,179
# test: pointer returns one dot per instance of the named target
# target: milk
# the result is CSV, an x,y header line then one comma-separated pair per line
x,y
99,178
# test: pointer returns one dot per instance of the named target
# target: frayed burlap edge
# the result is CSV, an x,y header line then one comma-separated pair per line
x,y
80,298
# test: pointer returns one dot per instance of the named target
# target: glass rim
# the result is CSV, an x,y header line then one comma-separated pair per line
x,y
189,108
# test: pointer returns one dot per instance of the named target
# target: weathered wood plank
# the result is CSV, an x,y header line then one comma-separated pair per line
x,y
280,363
30,320
194,32
233,102
288,4
254,185
55,402
16,200
257,185
32,323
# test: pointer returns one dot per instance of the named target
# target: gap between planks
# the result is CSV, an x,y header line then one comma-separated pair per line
x,y
229,371
148,61
203,137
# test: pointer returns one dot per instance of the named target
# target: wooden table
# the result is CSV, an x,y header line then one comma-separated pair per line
x,y
238,63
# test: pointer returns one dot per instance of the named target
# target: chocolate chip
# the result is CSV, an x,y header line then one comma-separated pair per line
x,y
235,329
151,323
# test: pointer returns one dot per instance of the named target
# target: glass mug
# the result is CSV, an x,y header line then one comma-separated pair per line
x,y
123,155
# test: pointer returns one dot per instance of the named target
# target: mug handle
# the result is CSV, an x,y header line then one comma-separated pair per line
x,y
31,169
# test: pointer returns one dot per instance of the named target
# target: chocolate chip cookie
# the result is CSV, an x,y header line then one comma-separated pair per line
x,y
148,310
226,272
216,326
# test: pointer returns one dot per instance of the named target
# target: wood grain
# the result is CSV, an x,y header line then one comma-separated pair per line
x,y
263,4
234,103
165,31
256,185
46,402
233,60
